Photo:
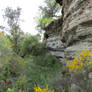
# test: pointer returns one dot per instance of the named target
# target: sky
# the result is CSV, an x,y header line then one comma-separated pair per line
x,y
29,11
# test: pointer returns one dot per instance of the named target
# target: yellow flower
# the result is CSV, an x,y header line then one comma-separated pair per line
x,y
71,68
38,89
76,67
85,53
81,64
75,61
88,63
88,58
80,59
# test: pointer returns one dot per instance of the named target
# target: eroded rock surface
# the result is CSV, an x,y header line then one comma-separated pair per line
x,y
53,42
73,31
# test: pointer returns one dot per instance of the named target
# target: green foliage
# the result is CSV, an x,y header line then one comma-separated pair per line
x,y
10,90
12,16
31,45
16,39
4,42
15,33
46,60
21,83
20,75
37,67
10,72
5,49
41,69
49,9
44,22
47,14
11,65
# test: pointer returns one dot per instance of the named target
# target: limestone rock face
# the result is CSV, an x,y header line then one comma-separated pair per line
x,y
73,31
77,25
77,20
53,42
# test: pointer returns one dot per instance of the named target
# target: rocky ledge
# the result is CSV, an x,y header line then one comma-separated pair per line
x,y
73,31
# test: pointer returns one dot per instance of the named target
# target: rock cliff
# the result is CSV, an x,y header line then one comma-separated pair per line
x,y
73,31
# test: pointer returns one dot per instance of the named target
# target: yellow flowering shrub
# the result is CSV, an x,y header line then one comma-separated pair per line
x,y
81,62
38,89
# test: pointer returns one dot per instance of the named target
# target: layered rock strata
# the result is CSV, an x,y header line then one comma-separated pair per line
x,y
73,32
53,42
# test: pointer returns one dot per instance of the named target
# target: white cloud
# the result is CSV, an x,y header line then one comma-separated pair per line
x,y
29,11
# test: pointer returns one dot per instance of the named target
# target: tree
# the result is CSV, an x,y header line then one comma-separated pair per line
x,y
50,8
47,14
31,45
12,16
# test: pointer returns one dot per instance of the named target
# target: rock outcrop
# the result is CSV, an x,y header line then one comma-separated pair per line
x,y
77,25
73,31
53,42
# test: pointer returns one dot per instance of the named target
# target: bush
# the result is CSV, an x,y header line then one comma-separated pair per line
x,y
80,63
31,45
80,69
21,74
11,65
44,22
41,69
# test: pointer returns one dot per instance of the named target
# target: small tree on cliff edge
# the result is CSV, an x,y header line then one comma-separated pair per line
x,y
13,20
50,8
47,13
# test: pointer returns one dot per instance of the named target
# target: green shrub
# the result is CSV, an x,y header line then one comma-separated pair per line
x,y
11,65
10,90
21,74
41,69
31,45
44,22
